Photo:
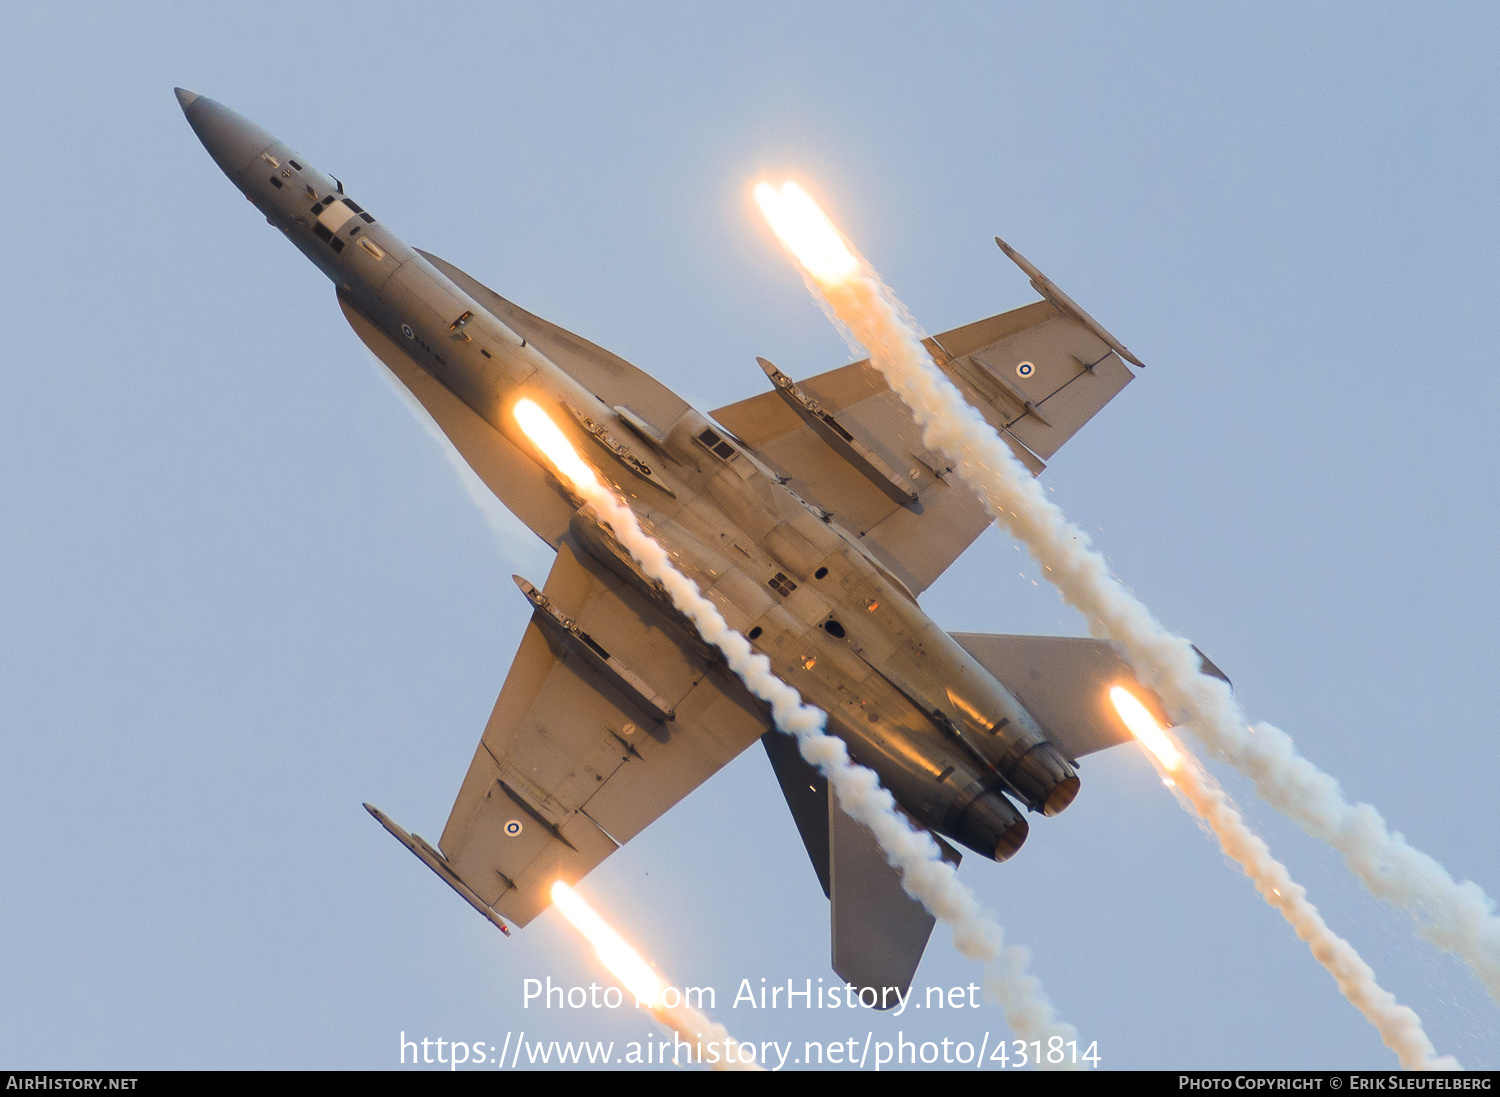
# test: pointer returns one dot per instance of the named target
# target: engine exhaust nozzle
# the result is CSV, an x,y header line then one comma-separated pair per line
x,y
991,826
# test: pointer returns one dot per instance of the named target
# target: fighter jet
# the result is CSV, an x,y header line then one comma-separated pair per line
x,y
814,518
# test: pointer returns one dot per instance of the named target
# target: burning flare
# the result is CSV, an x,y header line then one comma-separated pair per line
x,y
805,230
1145,728
650,989
614,952
554,444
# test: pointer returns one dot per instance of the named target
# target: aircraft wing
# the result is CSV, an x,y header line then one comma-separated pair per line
x,y
847,442
607,718
1064,682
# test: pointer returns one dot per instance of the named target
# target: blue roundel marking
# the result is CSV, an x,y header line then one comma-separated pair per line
x,y
406,331
1025,369
513,828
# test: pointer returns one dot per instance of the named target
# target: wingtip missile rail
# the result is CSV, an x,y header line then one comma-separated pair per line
x,y
439,864
1048,289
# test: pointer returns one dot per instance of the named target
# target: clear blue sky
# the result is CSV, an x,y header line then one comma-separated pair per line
x,y
242,590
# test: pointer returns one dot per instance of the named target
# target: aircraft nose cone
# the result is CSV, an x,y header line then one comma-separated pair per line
x,y
230,138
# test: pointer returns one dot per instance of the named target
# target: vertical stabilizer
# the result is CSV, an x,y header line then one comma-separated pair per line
x,y
878,931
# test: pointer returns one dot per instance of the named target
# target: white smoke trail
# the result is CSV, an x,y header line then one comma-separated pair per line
x,y
1399,1026
924,873
1458,917
870,315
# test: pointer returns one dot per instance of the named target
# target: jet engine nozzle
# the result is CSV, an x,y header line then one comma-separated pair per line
x,y
1061,796
990,825
1043,777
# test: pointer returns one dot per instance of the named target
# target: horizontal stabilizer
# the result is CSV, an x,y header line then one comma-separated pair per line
x,y
1064,682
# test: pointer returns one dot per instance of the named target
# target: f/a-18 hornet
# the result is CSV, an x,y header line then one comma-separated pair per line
x,y
812,515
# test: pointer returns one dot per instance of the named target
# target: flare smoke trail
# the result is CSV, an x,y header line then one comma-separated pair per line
x,y
648,987
1400,1028
924,873
1458,917
871,316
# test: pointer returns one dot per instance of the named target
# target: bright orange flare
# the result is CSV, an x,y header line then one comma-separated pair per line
x,y
624,962
807,232
1145,728
546,436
